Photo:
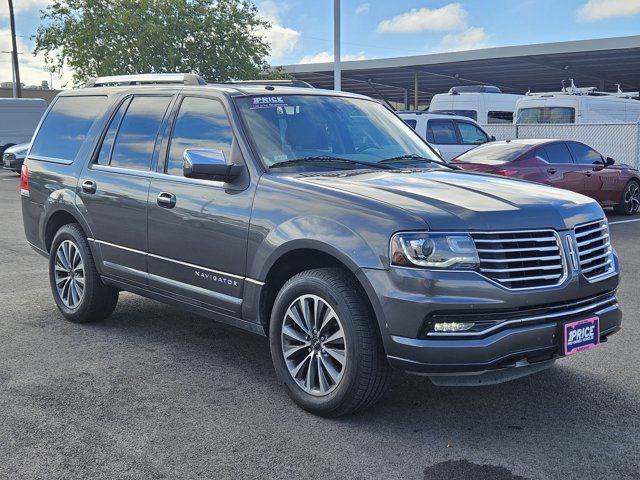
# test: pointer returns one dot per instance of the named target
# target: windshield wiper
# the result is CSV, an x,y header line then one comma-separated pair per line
x,y
328,159
414,156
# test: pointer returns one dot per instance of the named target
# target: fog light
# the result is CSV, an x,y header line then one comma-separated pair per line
x,y
452,326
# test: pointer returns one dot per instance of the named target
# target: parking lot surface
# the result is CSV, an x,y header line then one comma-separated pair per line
x,y
154,392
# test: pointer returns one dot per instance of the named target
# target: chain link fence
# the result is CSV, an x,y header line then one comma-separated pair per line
x,y
620,141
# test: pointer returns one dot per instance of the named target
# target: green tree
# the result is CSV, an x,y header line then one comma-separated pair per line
x,y
214,38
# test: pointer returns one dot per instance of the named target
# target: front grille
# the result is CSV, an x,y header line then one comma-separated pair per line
x,y
521,259
594,249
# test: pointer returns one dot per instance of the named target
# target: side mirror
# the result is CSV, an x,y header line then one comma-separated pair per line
x,y
609,161
493,138
209,164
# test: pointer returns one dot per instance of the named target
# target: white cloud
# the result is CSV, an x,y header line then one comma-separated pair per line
x,y
282,39
363,8
470,39
31,67
450,17
326,57
22,6
595,10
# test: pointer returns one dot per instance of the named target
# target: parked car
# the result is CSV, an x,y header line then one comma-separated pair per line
x,y
290,212
13,157
19,118
575,105
563,164
451,135
484,104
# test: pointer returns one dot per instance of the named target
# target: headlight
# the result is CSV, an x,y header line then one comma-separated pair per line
x,y
434,250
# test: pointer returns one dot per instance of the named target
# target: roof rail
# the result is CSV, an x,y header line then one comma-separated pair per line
x,y
147,79
276,83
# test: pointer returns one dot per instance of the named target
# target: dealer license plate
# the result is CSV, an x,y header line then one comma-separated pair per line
x,y
581,335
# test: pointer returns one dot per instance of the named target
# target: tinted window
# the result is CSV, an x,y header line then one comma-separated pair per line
x,y
555,153
500,117
471,135
107,144
201,123
66,126
546,115
583,154
441,132
136,137
463,113
412,123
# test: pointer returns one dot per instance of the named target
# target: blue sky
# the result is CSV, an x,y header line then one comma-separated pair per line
x,y
302,29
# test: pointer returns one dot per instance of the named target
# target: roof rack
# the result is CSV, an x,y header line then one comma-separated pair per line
x,y
265,81
147,79
572,89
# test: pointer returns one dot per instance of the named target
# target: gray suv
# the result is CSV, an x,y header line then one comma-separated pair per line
x,y
320,220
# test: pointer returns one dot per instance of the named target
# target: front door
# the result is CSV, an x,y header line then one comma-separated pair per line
x,y
114,188
604,184
198,229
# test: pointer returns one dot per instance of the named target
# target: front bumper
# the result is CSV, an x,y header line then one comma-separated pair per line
x,y
527,328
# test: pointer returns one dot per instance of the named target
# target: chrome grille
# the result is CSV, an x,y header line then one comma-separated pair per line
x,y
521,259
594,249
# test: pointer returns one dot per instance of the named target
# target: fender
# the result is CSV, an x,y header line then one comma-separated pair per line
x,y
317,233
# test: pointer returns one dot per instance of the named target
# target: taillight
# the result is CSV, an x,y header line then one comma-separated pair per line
x,y
505,173
24,181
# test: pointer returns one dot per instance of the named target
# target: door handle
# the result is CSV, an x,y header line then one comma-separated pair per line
x,y
588,173
89,186
166,200
551,170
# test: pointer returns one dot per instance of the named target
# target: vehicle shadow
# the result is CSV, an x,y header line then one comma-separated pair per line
x,y
543,419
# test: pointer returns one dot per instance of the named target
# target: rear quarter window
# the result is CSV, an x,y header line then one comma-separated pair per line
x,y
65,127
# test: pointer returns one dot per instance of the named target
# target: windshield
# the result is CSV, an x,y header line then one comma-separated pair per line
x,y
285,128
494,153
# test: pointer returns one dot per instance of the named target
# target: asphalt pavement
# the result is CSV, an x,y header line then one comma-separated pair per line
x,y
154,392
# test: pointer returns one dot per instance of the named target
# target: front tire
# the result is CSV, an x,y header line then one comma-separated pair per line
x,y
325,344
630,199
75,283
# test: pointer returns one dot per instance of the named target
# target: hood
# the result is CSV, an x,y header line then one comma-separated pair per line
x,y
477,167
459,200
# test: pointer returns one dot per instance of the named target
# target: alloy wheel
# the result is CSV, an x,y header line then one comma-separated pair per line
x,y
69,274
313,345
632,197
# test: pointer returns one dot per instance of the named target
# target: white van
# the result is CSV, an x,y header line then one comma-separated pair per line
x,y
483,103
578,105
19,118
451,135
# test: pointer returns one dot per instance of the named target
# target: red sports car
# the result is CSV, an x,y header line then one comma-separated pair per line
x,y
560,163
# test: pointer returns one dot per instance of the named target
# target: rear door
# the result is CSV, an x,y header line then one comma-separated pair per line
x,y
115,186
559,169
198,242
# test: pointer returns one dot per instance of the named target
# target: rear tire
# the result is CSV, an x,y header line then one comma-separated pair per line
x,y
630,201
75,283
340,367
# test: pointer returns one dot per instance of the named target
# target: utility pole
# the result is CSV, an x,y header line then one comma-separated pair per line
x,y
337,84
17,87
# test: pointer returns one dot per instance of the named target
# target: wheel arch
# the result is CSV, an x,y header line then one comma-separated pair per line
x,y
306,256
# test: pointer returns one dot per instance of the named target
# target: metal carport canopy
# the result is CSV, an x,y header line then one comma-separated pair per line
x,y
602,63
